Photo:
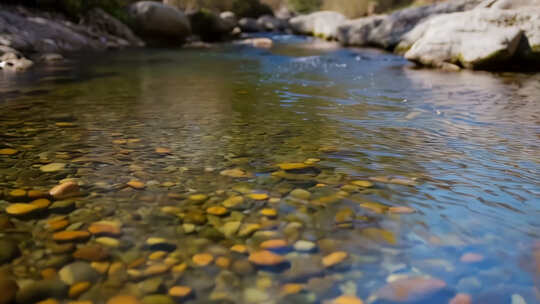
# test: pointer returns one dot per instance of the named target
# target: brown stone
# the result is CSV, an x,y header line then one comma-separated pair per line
x,y
334,258
8,151
266,258
162,150
135,184
223,262
274,244
217,210
65,190
105,228
67,236
57,224
42,203
21,209
202,259
48,273
92,253
401,210
239,248
78,288
180,291
292,288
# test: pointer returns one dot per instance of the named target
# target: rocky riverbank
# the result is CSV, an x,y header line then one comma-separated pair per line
x,y
471,34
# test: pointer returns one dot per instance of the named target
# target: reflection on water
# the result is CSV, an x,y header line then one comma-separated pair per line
x,y
420,184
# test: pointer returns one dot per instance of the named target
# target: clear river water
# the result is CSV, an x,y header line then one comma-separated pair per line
x,y
371,179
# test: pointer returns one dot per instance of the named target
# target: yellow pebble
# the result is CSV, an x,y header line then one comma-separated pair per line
x,y
269,212
157,255
258,196
78,288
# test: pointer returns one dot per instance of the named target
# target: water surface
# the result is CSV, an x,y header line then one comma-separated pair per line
x,y
458,149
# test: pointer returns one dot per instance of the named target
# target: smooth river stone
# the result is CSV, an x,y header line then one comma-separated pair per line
x,y
334,258
274,244
21,209
304,246
202,259
300,194
53,167
67,236
65,190
180,291
346,299
8,151
266,258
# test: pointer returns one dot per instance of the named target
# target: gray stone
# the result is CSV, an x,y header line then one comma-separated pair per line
x,y
249,25
322,24
159,23
386,31
78,272
477,39
9,251
271,23
150,286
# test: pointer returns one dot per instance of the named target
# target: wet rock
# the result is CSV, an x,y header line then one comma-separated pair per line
x,y
8,151
39,290
53,167
217,211
334,258
266,258
258,196
78,272
9,251
159,23
274,245
65,190
233,201
239,248
321,24
180,291
271,23
71,236
91,253
401,210
135,184
269,212
249,25
410,289
253,295
107,228
22,209
209,26
305,246
248,229
202,259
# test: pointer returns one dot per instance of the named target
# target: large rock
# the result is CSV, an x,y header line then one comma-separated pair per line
x,y
386,31
104,25
508,4
159,23
271,24
249,25
483,38
209,26
321,24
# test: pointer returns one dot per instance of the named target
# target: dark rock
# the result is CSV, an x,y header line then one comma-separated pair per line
x,y
9,251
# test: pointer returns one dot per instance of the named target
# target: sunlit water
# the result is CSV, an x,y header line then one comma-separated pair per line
x,y
466,143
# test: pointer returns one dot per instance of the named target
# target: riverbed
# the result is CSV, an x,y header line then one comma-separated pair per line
x,y
367,176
